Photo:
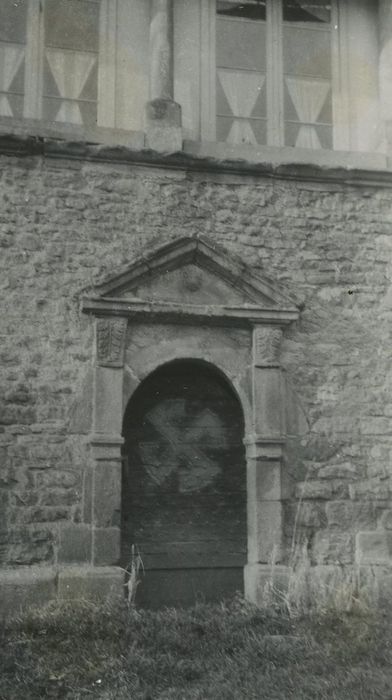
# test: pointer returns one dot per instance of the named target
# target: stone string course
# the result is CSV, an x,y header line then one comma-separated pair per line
x,y
65,224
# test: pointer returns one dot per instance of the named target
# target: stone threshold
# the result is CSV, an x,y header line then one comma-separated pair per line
x,y
344,168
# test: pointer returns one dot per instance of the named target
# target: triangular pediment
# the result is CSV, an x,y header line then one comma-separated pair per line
x,y
193,272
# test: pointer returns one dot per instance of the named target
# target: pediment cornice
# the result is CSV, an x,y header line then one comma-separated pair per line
x,y
250,297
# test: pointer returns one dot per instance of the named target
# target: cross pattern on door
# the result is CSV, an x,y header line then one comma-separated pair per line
x,y
187,451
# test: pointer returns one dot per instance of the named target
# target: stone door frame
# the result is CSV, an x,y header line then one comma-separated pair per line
x,y
264,422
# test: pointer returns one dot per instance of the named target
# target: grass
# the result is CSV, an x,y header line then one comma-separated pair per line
x,y
228,651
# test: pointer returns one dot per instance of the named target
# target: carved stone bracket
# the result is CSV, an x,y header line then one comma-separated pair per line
x,y
258,447
111,333
266,346
106,447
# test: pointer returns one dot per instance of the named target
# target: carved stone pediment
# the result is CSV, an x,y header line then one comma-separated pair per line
x,y
191,284
191,277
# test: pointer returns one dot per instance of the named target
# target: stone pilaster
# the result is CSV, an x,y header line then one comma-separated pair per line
x,y
106,440
163,114
106,499
264,459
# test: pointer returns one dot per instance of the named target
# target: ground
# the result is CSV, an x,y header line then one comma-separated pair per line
x,y
227,651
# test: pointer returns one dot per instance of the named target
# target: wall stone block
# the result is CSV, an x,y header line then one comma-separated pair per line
x,y
106,546
74,543
373,489
306,514
348,515
24,587
386,519
331,547
322,489
374,547
346,470
30,545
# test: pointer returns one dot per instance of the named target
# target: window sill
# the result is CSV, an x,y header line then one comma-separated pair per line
x,y
34,137
71,132
283,156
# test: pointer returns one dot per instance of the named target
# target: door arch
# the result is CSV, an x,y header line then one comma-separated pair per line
x,y
184,484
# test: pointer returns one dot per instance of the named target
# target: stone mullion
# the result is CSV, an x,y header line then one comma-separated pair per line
x,y
161,50
107,64
163,114
34,57
385,62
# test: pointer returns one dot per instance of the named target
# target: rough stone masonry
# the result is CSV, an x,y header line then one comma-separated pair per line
x,y
66,222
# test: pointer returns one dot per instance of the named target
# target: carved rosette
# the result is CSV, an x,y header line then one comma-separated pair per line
x,y
266,346
111,333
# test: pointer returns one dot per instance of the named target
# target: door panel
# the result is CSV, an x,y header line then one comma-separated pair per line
x,y
184,485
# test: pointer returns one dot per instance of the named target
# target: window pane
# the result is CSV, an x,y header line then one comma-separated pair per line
x,y
71,61
241,72
307,52
246,10
240,44
307,86
12,56
241,131
72,24
307,105
241,94
308,136
307,11
69,112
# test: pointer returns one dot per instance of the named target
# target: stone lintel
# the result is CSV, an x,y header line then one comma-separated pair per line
x,y
171,312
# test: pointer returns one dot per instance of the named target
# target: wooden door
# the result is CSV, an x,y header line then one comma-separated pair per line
x,y
184,485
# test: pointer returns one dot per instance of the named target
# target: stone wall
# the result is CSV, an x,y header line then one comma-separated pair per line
x,y
65,223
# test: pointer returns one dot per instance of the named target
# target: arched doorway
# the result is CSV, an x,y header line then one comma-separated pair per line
x,y
184,485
